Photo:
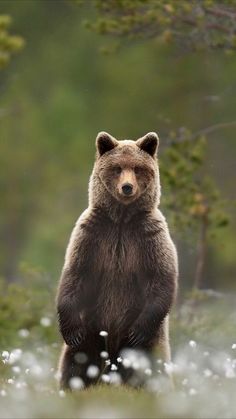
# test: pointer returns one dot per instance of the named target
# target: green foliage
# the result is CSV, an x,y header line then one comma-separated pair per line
x,y
192,200
23,306
191,24
190,194
9,44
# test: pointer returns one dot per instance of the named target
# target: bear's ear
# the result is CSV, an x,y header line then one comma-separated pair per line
x,y
149,143
105,142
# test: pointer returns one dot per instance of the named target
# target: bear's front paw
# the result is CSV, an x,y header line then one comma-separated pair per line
x,y
73,338
141,334
136,337
74,341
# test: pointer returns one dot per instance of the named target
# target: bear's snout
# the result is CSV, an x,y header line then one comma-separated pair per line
x,y
127,185
127,189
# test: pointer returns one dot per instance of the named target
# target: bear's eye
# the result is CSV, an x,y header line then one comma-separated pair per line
x,y
137,170
117,170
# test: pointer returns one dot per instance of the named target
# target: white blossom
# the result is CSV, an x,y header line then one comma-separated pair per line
x,y
104,354
3,393
92,371
23,333
45,322
192,391
105,378
103,333
76,383
192,344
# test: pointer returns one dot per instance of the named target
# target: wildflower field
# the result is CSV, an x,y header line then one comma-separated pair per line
x,y
203,368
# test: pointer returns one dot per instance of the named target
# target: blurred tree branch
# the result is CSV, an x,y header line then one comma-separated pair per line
x,y
194,202
212,128
202,132
9,44
195,24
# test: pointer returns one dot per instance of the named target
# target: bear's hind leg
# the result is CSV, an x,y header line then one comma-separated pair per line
x,y
68,367
164,349
75,363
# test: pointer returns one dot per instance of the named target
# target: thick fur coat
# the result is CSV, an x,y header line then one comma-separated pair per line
x,y
120,271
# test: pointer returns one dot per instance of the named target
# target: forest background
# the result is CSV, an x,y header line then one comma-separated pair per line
x,y
70,69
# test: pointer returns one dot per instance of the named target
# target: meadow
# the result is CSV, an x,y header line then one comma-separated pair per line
x,y
203,368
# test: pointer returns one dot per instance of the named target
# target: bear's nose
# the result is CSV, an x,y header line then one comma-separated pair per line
x,y
127,189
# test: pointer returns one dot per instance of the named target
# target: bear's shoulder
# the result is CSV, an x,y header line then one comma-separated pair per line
x,y
77,237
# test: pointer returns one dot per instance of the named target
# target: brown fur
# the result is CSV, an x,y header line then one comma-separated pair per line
x,y
120,270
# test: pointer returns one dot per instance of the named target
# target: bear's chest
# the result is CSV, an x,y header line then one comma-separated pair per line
x,y
117,250
119,278
118,275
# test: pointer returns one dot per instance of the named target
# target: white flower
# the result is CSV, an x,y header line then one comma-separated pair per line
x,y
103,333
45,322
148,371
126,362
185,381
62,393
105,378
192,392
76,383
3,393
15,355
169,367
192,344
104,354
21,384
92,371
16,369
10,381
229,373
5,354
23,333
81,358
115,378
207,372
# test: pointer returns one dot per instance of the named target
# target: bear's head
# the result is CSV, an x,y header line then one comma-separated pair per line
x,y
127,169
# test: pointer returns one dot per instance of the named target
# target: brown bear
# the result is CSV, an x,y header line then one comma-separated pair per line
x,y
120,271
